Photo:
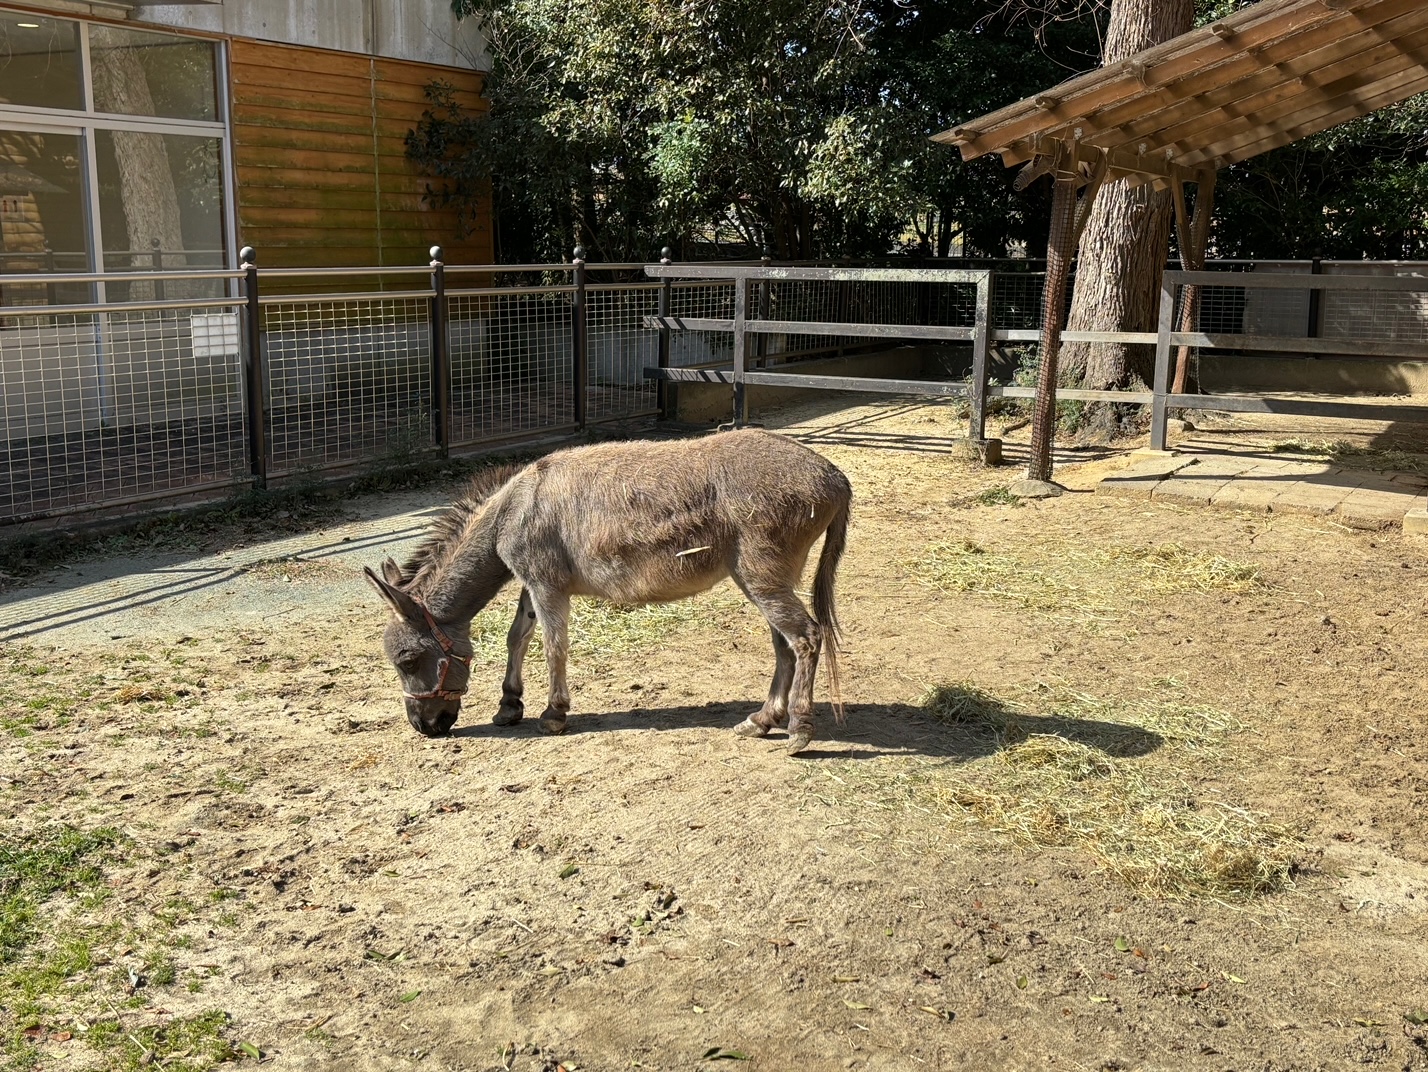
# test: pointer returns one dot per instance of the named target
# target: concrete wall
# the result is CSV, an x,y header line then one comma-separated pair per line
x,y
421,30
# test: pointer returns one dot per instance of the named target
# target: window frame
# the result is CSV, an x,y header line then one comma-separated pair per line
x,y
87,122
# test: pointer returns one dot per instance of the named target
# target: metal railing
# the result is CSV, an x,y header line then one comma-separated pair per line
x,y
108,404
266,374
1368,314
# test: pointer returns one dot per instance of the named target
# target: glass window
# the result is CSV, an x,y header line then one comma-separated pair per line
x,y
160,205
138,73
39,62
42,211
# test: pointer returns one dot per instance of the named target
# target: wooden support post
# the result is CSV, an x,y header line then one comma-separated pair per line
x,y
1194,236
1059,251
666,301
440,356
1158,409
1068,221
981,348
741,350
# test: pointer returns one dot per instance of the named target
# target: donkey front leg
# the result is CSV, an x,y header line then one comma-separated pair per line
x,y
553,609
775,709
518,641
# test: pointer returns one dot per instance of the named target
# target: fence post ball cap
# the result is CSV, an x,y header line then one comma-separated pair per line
x,y
435,252
579,253
248,255
666,254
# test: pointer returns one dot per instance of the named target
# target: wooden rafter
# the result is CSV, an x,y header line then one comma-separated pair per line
x,y
1264,76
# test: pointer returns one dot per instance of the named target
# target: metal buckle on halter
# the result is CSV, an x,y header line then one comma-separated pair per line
x,y
441,692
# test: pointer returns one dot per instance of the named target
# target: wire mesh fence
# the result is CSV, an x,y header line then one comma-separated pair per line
x,y
117,406
511,362
163,393
347,380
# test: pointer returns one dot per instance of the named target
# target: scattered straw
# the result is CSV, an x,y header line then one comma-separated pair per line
x,y
1089,585
1111,778
1343,453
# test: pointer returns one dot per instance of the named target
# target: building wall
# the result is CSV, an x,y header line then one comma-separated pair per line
x,y
322,173
424,31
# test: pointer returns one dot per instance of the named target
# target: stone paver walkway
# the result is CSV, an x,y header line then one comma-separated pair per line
x,y
1241,476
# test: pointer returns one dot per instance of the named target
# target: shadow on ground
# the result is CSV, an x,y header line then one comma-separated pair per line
x,y
871,730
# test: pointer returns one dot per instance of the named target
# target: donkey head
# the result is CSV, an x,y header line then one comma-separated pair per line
x,y
425,655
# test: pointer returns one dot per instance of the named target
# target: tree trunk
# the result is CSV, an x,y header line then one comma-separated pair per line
x,y
146,180
1127,237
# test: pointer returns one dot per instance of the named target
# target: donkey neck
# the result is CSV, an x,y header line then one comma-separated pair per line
x,y
471,574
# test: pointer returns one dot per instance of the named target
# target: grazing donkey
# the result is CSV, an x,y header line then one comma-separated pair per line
x,y
633,523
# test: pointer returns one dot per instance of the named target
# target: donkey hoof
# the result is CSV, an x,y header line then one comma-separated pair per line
x,y
552,724
508,715
797,742
750,728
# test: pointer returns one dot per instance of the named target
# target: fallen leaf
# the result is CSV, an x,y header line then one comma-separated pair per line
x,y
410,995
716,1053
1416,1017
1021,981
1122,946
35,1032
855,1004
251,1050
941,1014
1364,1021
550,971
1230,978
699,1008
61,1036
569,869
1098,999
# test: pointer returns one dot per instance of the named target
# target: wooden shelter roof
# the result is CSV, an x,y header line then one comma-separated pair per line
x,y
1265,76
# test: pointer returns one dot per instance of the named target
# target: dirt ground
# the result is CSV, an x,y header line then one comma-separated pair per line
x,y
650,891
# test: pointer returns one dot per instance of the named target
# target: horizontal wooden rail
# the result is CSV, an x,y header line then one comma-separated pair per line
x,y
810,327
1301,407
1298,344
1292,281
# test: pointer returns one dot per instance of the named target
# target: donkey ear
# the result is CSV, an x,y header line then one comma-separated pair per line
x,y
395,598
392,572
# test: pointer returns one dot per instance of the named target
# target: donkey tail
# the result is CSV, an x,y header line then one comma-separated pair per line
x,y
825,612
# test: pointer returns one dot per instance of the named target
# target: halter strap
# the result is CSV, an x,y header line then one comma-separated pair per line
x,y
448,648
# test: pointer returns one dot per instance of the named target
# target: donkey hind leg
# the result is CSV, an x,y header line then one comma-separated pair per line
x,y
518,640
787,614
775,709
553,610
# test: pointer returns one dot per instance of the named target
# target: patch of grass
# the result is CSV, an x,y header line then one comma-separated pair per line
x,y
1085,584
998,495
183,1044
1112,778
36,866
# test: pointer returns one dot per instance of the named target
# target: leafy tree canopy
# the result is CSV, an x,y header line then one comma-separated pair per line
x,y
800,127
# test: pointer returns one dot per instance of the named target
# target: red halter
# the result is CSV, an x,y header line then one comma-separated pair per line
x,y
441,692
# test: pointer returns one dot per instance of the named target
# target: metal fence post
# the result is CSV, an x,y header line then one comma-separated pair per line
x,y
1316,300
981,348
440,357
580,369
666,302
1159,408
761,344
158,260
741,349
253,372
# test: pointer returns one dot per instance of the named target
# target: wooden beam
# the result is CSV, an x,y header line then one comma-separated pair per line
x,y
1249,85
1290,28
1311,120
1222,116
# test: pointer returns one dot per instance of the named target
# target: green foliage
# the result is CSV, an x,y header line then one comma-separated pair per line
x,y
1359,190
35,867
726,125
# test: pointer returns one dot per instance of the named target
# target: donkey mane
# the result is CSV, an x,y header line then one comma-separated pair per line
x,y
448,530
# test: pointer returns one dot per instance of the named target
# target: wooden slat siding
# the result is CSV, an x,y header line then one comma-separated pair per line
x,y
319,143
